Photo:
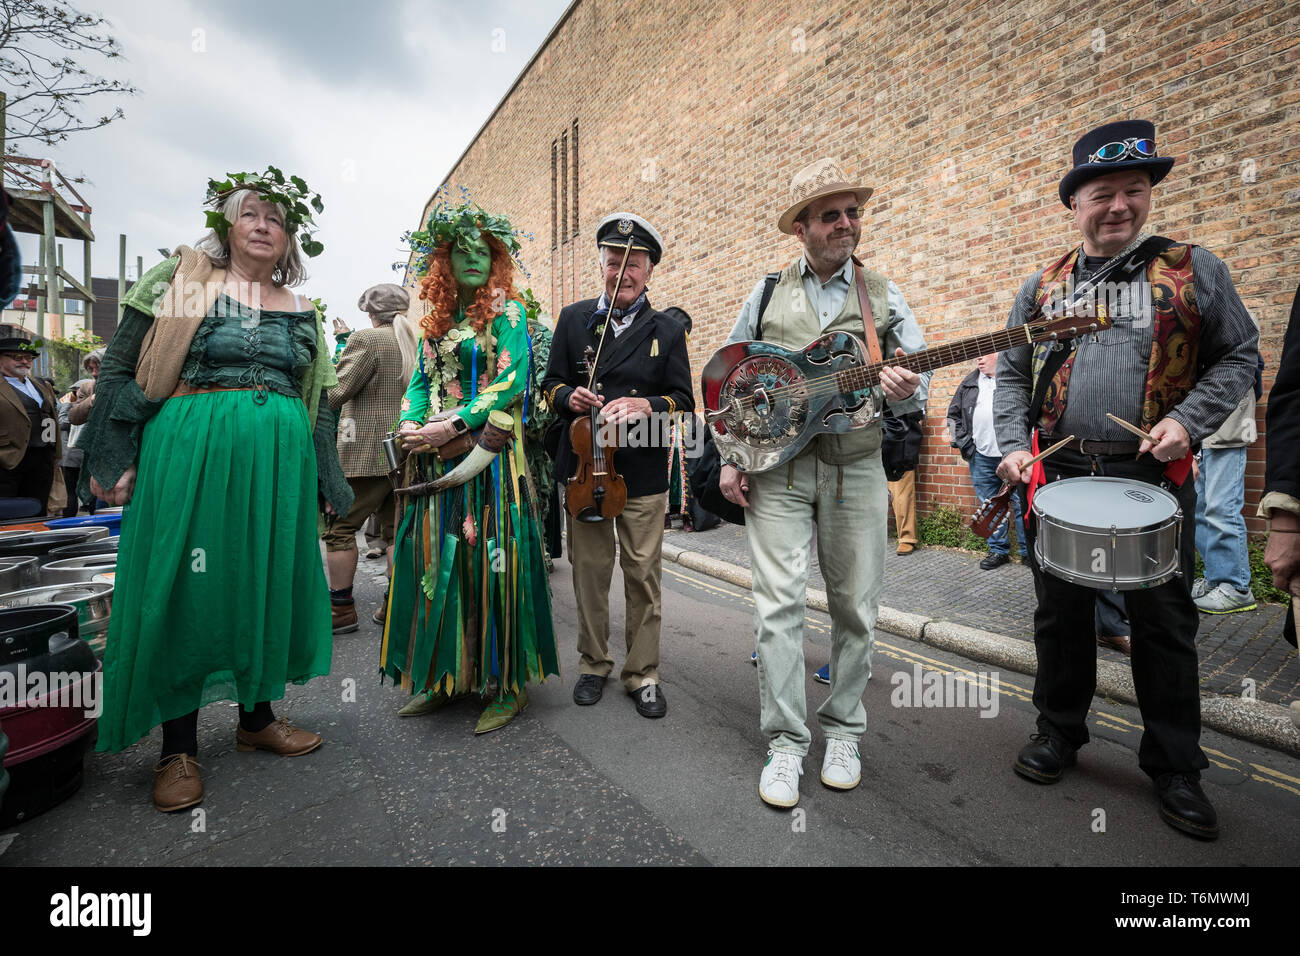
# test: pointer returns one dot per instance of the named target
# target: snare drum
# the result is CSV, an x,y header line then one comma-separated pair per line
x,y
1109,533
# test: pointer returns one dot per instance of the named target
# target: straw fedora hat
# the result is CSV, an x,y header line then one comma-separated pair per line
x,y
825,177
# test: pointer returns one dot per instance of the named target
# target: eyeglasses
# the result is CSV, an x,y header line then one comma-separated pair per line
x,y
20,356
832,216
1114,152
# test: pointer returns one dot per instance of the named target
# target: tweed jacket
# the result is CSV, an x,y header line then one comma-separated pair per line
x,y
16,425
369,395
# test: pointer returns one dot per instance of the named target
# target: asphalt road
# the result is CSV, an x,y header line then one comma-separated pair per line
x,y
601,785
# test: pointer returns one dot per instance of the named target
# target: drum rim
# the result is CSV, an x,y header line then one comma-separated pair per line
x,y
1176,517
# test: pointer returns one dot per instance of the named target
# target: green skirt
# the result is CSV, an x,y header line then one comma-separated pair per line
x,y
219,592
470,602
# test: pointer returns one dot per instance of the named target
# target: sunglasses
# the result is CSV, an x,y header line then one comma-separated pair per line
x,y
832,216
1114,152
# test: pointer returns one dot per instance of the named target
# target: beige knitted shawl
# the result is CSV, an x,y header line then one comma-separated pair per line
x,y
178,313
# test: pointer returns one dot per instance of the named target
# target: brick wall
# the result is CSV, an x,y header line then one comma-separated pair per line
x,y
696,115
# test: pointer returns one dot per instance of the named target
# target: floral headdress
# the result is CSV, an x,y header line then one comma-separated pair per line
x,y
462,225
292,195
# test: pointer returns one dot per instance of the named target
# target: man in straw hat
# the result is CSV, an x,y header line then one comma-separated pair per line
x,y
1178,357
642,372
837,482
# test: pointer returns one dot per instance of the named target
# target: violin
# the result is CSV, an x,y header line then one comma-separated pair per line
x,y
596,491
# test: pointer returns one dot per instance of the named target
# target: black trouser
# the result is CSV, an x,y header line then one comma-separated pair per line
x,y
32,478
70,477
1164,623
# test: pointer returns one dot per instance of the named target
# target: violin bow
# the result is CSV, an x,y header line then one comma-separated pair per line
x,y
604,329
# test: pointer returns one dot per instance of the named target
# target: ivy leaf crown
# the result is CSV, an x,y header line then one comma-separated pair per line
x,y
291,193
462,225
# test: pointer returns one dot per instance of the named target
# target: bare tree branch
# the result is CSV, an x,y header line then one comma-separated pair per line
x,y
51,90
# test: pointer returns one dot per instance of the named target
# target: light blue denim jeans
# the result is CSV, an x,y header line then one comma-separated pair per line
x,y
1220,528
984,476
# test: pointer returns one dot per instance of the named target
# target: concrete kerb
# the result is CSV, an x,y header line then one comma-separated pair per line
x,y
1258,722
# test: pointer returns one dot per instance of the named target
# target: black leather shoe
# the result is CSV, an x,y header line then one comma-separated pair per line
x,y
1044,759
1184,806
994,561
588,689
650,700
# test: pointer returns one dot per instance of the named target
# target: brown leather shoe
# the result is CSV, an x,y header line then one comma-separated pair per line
x,y
345,618
176,783
905,548
1117,643
280,737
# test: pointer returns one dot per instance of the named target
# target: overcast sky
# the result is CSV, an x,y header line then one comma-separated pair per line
x,y
370,102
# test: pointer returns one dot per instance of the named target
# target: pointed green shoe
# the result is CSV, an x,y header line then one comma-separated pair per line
x,y
422,704
501,711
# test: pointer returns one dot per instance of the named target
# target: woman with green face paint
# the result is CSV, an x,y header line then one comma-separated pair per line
x,y
469,608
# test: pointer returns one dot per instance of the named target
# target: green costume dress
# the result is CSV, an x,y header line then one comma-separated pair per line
x,y
470,599
219,591
538,416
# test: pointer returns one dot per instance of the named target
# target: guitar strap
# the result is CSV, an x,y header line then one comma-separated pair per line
x,y
769,286
868,320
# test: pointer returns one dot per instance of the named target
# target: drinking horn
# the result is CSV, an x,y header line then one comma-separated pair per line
x,y
495,436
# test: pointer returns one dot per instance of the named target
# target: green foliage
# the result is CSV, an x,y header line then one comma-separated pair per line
x,y
292,197
461,225
532,308
946,527
66,354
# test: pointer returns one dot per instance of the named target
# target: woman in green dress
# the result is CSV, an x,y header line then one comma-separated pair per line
x,y
469,608
209,426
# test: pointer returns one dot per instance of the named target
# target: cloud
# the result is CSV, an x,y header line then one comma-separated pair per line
x,y
370,108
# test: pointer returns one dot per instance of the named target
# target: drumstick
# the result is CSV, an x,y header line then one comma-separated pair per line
x,y
1043,454
1131,429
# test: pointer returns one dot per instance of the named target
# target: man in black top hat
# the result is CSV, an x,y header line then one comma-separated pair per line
x,y
642,378
30,442
1179,355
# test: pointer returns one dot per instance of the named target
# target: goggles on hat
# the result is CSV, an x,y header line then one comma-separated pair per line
x,y
1114,152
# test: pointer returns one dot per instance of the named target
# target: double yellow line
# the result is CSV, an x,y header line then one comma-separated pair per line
x,y
908,655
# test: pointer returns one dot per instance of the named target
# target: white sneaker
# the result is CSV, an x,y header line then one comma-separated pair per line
x,y
842,767
1199,588
779,784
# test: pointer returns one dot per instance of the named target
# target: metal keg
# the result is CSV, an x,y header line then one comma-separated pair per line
x,y
19,571
40,543
102,546
94,604
74,570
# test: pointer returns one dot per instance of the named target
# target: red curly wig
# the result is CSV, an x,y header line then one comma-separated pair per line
x,y
438,288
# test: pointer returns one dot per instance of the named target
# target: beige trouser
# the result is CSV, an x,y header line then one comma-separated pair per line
x,y
903,492
640,530
848,507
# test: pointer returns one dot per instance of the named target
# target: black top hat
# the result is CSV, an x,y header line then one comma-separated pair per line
x,y
15,344
1113,148
615,230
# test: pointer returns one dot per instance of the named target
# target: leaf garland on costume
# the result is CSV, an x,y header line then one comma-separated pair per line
x,y
442,366
292,194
